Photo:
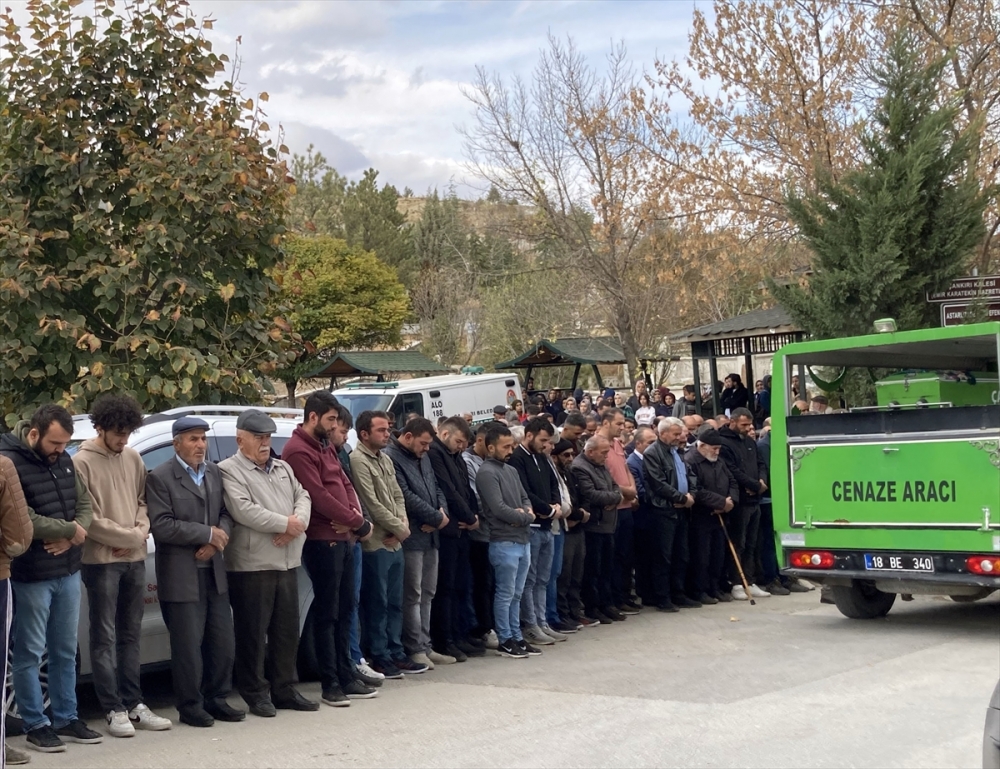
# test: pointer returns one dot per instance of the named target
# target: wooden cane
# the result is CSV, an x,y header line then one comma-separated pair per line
x,y
739,566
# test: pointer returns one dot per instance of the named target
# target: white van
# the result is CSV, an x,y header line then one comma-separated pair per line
x,y
433,397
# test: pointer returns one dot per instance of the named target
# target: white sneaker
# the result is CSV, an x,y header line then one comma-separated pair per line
x,y
366,670
491,640
554,634
739,594
144,718
422,659
440,659
119,724
534,635
758,592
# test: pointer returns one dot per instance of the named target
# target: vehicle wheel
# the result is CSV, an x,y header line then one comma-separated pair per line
x,y
10,704
862,600
306,662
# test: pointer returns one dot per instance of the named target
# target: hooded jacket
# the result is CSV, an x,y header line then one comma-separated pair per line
x,y
741,455
424,500
117,487
15,525
57,501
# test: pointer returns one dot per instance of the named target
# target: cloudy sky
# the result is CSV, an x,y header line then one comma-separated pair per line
x,y
377,84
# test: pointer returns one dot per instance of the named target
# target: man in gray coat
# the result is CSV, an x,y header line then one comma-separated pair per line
x,y
427,513
191,527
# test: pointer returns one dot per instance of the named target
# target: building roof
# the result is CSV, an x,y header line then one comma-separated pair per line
x,y
774,320
570,351
378,362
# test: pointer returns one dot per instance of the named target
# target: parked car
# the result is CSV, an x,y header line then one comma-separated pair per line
x,y
154,442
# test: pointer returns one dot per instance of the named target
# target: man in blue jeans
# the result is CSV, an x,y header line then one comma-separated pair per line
x,y
507,509
46,579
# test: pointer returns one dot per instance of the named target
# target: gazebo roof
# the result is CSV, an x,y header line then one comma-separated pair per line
x,y
378,362
569,351
774,320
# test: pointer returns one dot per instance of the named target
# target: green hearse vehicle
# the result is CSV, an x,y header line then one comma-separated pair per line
x,y
899,493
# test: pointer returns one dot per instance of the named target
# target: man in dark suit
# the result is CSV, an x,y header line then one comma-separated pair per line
x,y
190,525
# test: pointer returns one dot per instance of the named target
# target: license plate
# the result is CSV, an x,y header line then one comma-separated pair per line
x,y
898,562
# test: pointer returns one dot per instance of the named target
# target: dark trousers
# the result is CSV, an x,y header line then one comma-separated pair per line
x,y
670,554
6,605
767,556
483,587
202,645
621,583
382,604
707,545
266,620
743,524
453,575
115,593
330,566
643,538
597,571
571,578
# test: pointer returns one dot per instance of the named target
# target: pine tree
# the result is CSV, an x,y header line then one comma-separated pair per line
x,y
902,224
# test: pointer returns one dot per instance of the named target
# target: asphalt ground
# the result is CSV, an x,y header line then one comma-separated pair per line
x,y
788,682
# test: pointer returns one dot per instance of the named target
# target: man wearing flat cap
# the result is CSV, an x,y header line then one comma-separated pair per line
x,y
191,527
500,414
271,513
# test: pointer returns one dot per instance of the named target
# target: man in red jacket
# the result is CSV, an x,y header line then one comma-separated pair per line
x,y
328,553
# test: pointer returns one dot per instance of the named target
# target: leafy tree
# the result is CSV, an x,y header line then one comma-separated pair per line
x,y
140,208
341,298
373,222
902,224
317,204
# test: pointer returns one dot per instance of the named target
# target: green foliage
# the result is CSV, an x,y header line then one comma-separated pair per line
x,y
319,197
903,224
342,297
140,209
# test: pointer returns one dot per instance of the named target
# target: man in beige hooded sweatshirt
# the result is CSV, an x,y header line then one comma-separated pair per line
x,y
114,562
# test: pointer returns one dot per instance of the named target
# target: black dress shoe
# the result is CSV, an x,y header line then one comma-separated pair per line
x,y
263,709
667,607
296,702
223,711
200,718
687,603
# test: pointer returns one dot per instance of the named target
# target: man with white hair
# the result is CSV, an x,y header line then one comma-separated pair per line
x,y
717,492
669,494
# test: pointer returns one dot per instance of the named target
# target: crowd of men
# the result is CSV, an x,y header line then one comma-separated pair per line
x,y
425,546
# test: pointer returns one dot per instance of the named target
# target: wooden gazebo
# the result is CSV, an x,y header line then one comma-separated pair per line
x,y
377,363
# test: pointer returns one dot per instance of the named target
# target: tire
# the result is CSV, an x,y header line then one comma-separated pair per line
x,y
10,703
862,600
306,662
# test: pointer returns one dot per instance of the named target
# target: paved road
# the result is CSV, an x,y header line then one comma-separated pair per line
x,y
786,683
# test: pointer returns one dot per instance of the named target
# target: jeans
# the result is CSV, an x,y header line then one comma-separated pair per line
x,y
356,654
552,593
708,554
46,615
537,584
330,566
767,556
598,564
621,583
452,578
743,524
510,565
483,587
571,578
419,584
115,593
382,604
266,623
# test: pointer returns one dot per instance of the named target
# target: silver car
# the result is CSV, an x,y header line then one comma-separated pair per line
x,y
154,442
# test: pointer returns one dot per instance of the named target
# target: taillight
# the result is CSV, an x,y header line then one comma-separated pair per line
x,y
983,564
811,559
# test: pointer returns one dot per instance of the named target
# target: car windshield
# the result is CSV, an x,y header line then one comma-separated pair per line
x,y
358,402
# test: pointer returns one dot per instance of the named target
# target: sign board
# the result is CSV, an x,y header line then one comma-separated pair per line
x,y
968,289
954,314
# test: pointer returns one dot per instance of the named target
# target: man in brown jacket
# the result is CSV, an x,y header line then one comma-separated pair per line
x,y
114,562
16,533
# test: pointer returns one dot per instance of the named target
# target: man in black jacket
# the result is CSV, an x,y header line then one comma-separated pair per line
x,y
539,481
569,602
670,495
717,492
447,637
739,452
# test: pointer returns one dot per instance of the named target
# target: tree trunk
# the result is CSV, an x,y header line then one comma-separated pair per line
x,y
630,348
290,385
